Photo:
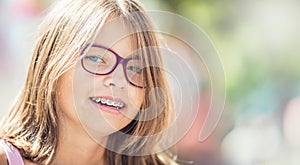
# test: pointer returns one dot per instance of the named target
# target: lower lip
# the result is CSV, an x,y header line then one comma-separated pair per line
x,y
108,109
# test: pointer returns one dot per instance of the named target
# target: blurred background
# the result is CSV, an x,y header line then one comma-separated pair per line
x,y
258,45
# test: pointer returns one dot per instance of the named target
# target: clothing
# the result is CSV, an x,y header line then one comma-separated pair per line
x,y
13,155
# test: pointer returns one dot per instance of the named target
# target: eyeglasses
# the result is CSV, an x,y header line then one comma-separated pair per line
x,y
103,61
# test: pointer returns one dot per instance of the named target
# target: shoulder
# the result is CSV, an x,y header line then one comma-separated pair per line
x,y
9,154
3,158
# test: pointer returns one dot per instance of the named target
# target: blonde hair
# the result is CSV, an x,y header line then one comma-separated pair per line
x,y
31,124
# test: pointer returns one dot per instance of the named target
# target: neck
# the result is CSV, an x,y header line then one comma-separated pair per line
x,y
76,147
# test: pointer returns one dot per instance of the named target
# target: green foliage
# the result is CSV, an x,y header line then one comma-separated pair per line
x,y
246,51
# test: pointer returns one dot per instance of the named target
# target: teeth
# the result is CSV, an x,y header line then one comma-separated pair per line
x,y
108,102
103,101
121,105
97,100
117,104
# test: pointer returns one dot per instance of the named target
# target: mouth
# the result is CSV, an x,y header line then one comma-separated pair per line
x,y
108,102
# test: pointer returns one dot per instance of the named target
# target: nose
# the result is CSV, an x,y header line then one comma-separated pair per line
x,y
116,78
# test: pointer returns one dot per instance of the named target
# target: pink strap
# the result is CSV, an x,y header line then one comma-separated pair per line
x,y
12,154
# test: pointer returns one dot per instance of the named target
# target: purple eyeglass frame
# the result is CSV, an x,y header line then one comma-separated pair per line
x,y
120,60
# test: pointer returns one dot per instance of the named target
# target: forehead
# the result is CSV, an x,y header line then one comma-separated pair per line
x,y
116,35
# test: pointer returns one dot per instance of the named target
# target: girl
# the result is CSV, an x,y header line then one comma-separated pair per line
x,y
93,93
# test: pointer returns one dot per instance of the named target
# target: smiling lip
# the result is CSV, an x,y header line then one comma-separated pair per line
x,y
106,108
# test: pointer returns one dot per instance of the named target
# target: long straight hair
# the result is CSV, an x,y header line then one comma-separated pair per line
x,y
31,124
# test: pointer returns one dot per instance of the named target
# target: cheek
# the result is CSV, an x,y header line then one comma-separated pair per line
x,y
71,88
136,96
64,96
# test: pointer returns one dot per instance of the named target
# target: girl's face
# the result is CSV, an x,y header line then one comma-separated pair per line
x,y
102,104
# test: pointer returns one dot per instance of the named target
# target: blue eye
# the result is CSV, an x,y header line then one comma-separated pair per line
x,y
134,69
94,58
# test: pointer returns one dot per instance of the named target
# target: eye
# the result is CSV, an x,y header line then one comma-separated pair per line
x,y
95,58
134,69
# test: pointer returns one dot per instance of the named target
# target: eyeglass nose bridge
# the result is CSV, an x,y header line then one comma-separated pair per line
x,y
123,61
